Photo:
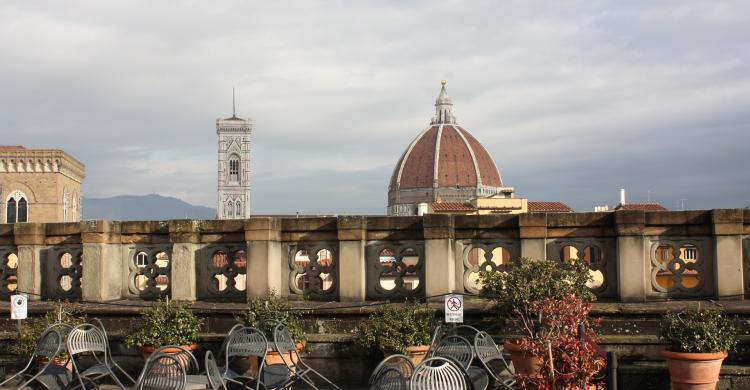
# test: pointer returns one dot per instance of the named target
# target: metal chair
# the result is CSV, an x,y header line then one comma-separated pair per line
x,y
284,343
162,372
466,331
490,355
384,377
245,342
183,355
439,373
49,345
215,379
437,335
88,338
99,370
457,348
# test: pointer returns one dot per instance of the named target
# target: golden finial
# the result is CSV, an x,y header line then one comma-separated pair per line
x,y
443,82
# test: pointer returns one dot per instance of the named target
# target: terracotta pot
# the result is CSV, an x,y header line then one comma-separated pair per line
x,y
147,350
697,371
523,362
415,353
274,357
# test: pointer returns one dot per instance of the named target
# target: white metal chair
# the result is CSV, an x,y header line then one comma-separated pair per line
x,y
99,369
213,374
89,339
49,345
439,373
392,373
245,342
183,355
299,369
491,357
162,372
460,350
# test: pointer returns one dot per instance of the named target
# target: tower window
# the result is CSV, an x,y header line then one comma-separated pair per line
x,y
22,210
234,169
239,209
11,214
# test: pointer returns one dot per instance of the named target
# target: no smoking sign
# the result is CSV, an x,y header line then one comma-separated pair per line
x,y
18,307
454,308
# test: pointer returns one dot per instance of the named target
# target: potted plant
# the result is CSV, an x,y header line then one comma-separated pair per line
x,y
522,293
699,342
165,323
64,313
405,329
264,313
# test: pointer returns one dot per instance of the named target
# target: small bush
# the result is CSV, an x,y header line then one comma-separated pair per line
x,y
397,327
166,323
703,331
261,313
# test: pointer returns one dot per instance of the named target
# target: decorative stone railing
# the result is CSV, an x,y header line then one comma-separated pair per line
x,y
633,256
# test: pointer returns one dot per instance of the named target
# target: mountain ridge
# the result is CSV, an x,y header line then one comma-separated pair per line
x,y
143,207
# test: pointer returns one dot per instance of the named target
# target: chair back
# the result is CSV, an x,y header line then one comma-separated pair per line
x,y
437,335
399,363
49,344
489,354
466,331
457,348
182,354
86,338
162,372
215,381
390,379
283,339
439,373
246,341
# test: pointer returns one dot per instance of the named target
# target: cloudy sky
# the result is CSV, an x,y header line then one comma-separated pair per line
x,y
573,99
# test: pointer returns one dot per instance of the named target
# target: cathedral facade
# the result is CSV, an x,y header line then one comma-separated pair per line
x,y
234,167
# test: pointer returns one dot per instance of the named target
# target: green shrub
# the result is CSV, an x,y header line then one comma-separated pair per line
x,y
515,292
397,327
166,323
703,331
261,313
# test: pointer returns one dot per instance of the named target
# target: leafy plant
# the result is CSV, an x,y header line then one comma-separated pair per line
x,y
262,313
32,329
165,323
700,331
514,292
569,359
397,327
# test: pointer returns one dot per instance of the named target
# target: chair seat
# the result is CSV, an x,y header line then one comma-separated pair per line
x,y
96,370
196,382
478,377
274,375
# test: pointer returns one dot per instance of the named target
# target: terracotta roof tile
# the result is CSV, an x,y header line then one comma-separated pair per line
x,y
642,207
8,147
549,207
451,206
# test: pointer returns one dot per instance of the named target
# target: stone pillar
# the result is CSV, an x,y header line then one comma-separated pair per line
x,y
102,261
352,233
728,230
633,262
440,262
265,261
532,229
29,238
185,236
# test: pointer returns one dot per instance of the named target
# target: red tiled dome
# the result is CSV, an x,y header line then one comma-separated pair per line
x,y
445,155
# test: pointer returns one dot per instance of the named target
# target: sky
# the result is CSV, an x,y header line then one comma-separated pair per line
x,y
573,99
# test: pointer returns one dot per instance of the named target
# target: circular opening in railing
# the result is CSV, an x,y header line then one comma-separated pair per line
x,y
240,264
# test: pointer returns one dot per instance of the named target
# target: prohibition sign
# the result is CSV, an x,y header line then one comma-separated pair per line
x,y
454,304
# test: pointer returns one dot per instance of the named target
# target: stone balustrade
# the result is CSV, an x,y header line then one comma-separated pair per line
x,y
634,256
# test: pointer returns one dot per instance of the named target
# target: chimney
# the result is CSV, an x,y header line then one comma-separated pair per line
x,y
622,196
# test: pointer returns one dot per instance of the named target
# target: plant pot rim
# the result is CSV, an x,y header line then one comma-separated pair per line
x,y
693,356
151,348
418,348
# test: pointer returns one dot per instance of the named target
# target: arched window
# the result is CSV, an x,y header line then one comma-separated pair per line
x,y
22,210
11,214
234,169
239,209
230,209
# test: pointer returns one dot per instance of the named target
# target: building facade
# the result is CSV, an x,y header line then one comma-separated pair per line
x,y
39,185
234,167
444,163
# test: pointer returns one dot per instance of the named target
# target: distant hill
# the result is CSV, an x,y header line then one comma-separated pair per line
x,y
143,207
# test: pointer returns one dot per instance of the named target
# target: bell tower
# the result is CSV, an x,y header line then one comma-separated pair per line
x,y
234,166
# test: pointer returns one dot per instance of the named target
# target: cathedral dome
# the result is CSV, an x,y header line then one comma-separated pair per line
x,y
443,163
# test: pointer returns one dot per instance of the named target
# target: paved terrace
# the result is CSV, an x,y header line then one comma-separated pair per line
x,y
340,268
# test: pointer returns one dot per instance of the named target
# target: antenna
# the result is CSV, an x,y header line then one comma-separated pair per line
x,y
649,196
683,201
233,105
